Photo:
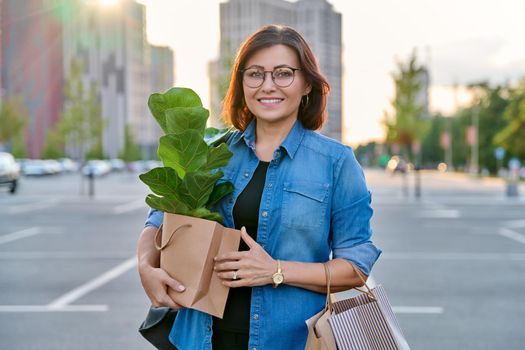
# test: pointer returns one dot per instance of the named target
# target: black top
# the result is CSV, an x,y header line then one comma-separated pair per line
x,y
245,213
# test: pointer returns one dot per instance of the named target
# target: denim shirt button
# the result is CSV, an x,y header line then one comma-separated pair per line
x,y
270,185
255,317
246,174
264,214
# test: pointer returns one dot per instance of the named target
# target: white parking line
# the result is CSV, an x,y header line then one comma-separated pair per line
x,y
47,308
515,224
518,237
454,256
19,234
124,208
95,283
30,255
417,309
371,283
440,214
24,208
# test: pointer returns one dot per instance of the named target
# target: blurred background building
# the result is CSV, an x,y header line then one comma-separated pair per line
x,y
40,40
32,64
315,19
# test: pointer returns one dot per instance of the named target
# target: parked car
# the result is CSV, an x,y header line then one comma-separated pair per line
x,y
41,167
68,165
52,166
142,166
117,164
9,171
96,167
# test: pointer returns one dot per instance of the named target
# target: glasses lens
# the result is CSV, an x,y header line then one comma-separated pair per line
x,y
253,77
283,77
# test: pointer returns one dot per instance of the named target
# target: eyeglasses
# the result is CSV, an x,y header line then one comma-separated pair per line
x,y
282,76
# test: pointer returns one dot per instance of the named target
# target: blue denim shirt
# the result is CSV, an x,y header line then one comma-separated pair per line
x,y
315,202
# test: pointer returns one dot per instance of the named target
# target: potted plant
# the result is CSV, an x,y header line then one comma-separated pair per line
x,y
185,189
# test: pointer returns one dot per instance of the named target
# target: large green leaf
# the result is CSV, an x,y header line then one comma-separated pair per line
x,y
183,152
219,191
162,181
167,204
195,189
214,137
175,97
204,213
218,156
180,119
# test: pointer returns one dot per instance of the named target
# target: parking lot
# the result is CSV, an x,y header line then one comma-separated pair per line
x,y
453,262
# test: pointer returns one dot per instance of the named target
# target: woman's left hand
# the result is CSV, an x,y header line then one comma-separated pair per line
x,y
250,268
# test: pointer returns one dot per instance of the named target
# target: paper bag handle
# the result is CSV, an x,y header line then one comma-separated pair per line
x,y
368,291
161,247
328,272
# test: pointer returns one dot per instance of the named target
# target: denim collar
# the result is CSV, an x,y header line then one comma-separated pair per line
x,y
290,144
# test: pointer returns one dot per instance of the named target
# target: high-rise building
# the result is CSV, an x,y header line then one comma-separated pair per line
x,y
32,68
315,19
321,26
111,43
39,40
161,79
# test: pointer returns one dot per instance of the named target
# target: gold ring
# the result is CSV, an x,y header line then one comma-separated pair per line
x,y
234,275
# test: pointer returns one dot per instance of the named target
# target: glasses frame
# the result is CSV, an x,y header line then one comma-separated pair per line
x,y
271,74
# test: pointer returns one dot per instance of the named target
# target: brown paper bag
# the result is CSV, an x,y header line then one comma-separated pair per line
x,y
187,248
320,336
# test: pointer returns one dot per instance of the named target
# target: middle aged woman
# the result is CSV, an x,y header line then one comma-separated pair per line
x,y
300,198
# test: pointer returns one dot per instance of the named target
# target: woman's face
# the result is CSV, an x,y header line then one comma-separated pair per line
x,y
270,102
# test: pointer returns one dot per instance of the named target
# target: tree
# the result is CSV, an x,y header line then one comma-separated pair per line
x,y
81,124
512,137
489,107
13,119
131,150
431,151
54,146
406,124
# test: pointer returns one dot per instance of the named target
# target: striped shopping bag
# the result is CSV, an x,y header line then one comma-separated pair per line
x,y
363,322
367,322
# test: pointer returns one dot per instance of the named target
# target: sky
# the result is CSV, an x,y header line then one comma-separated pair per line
x,y
461,41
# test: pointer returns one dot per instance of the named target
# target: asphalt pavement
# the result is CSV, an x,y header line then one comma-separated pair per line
x,y
453,262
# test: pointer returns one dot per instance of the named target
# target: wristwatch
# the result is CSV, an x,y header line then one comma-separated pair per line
x,y
278,277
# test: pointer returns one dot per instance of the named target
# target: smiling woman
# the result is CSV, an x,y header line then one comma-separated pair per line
x,y
300,201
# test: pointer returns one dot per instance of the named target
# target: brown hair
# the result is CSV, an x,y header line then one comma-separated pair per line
x,y
312,111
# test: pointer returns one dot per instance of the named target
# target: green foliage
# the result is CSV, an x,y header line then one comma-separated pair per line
x,y
13,119
431,151
54,146
131,150
406,124
18,147
512,137
81,124
191,155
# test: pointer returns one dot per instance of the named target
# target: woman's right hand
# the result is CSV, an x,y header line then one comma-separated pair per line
x,y
156,282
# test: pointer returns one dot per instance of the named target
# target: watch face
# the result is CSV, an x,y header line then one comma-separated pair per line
x,y
278,278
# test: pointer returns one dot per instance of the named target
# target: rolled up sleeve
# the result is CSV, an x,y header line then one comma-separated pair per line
x,y
155,218
351,214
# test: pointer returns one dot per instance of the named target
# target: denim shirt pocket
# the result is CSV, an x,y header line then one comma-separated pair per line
x,y
304,204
